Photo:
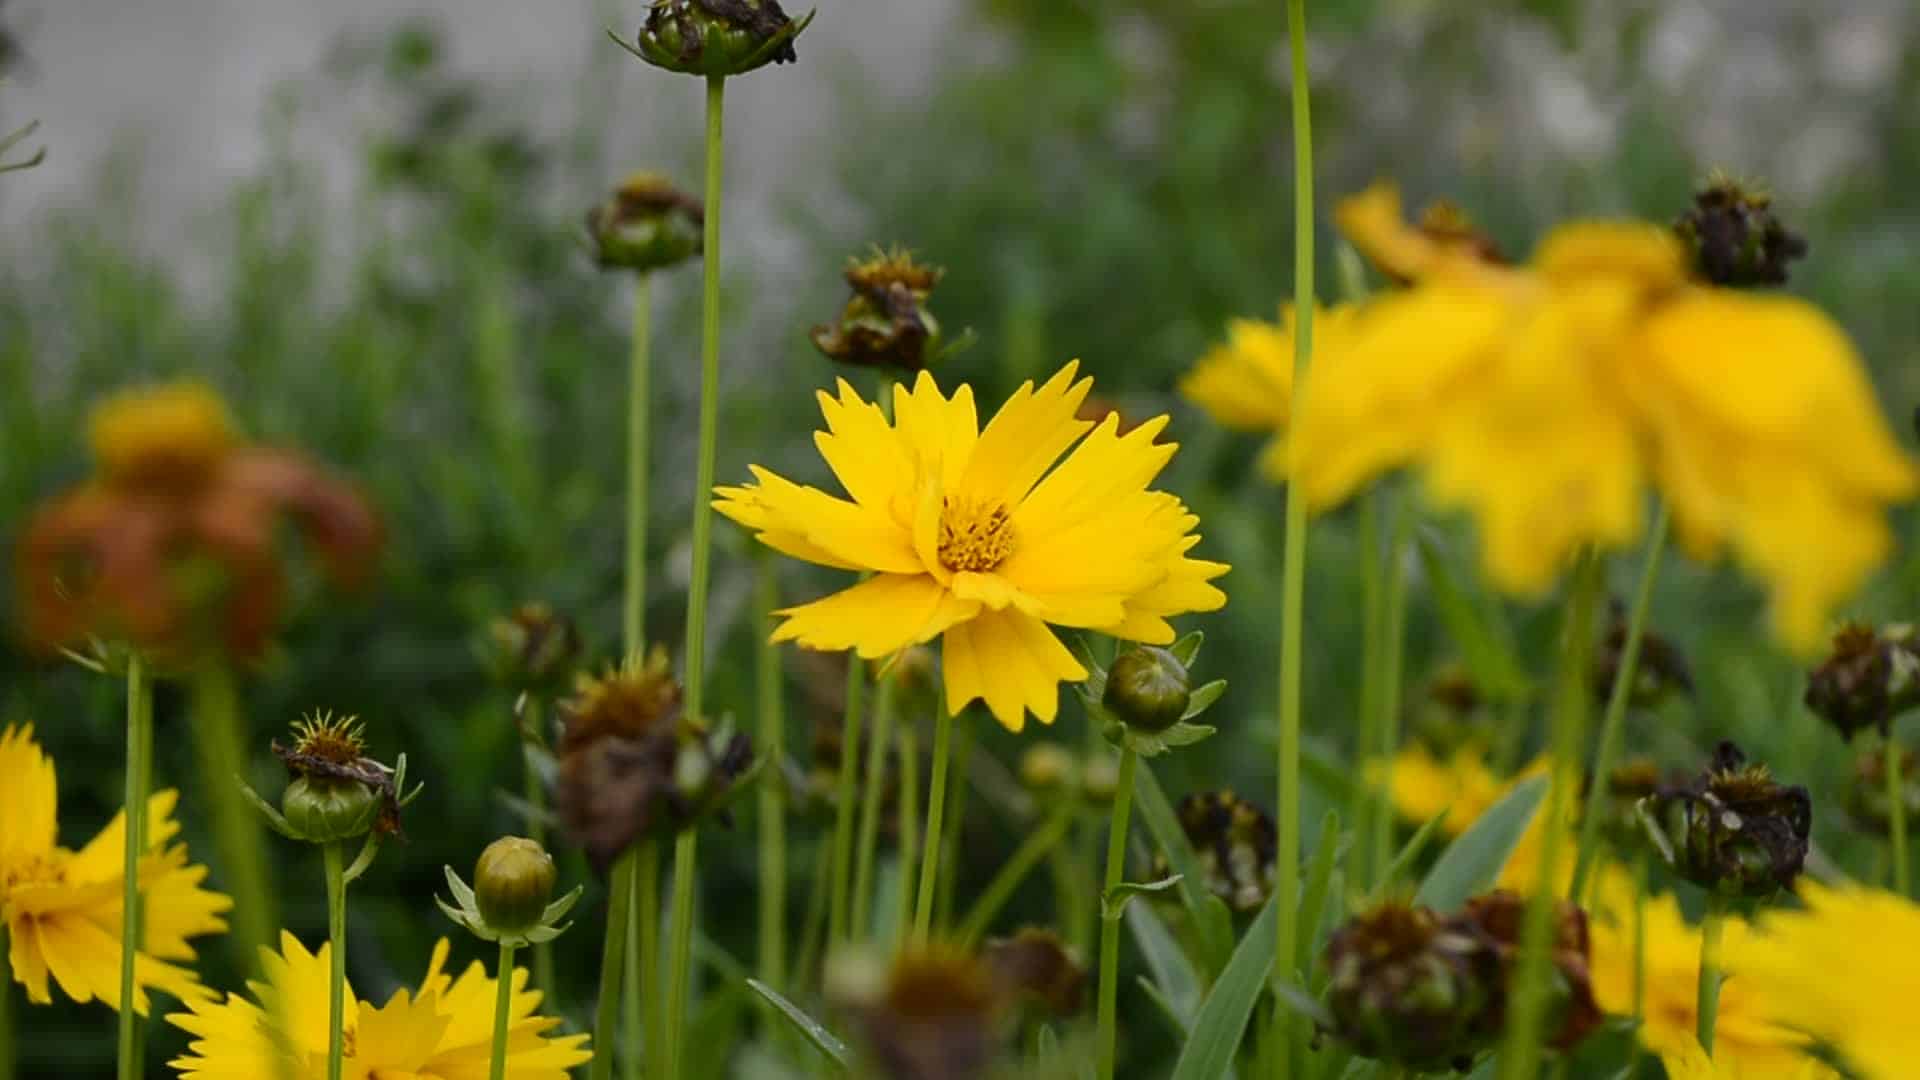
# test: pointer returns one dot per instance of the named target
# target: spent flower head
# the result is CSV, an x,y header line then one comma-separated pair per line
x,y
1736,238
886,322
1235,843
1732,830
932,1012
1870,676
646,224
716,38
1406,987
1036,966
337,793
533,649
1660,671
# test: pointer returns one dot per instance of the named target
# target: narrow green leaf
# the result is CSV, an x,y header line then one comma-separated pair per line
x,y
1114,901
1187,649
1203,697
1173,974
1182,1025
1313,895
816,1033
1326,772
1214,923
1412,850
1485,647
1301,1003
1222,1020
1473,861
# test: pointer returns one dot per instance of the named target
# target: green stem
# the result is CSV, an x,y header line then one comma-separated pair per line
x,y
1897,813
773,788
502,1009
813,923
1038,845
936,810
337,972
680,954
1392,675
1573,697
1293,584
1364,802
632,1003
646,959
879,741
613,952
844,802
238,837
534,790
1069,893
1613,723
1708,1005
139,739
638,398
1110,922
909,825
963,740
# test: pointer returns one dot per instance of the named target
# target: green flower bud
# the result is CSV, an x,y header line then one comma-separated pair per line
x,y
534,648
1046,767
646,224
325,810
512,883
1735,238
1732,830
1100,779
717,37
1147,688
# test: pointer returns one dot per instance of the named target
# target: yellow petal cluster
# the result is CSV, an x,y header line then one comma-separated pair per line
x,y
984,537
443,1030
1246,382
1544,401
62,907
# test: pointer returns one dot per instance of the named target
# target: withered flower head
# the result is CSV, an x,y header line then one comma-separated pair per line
x,y
337,792
1235,842
533,648
717,37
1036,965
172,546
1732,830
1871,677
885,323
933,1013
1630,782
646,224
1498,918
1660,669
631,761
1411,988
1866,798
1735,237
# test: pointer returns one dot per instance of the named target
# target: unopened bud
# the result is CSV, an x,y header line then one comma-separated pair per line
x,y
513,883
325,810
1147,688
1046,767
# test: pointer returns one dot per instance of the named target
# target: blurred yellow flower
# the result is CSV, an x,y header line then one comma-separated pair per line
x,y
1373,223
442,1031
62,907
1694,1064
1422,785
1543,400
974,535
1246,382
1842,971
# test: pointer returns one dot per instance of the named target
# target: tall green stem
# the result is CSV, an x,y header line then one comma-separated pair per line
x,y
1708,1003
908,820
1293,583
844,803
502,1009
1572,701
963,740
772,795
1897,812
337,972
878,743
1393,662
634,1002
139,728
645,954
1038,845
1366,799
1613,723
936,810
238,838
613,952
1110,920
639,398
681,948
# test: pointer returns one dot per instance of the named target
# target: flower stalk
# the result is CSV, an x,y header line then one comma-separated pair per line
x,y
1708,1007
237,834
908,822
1110,913
639,370
773,790
1037,846
536,796
1392,675
502,1009
681,955
645,954
337,943
932,848
845,789
139,744
1897,812
613,951
878,743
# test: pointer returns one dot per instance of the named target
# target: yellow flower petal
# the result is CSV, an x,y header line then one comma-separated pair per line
x,y
1010,660
1245,383
1374,223
27,803
1026,437
876,618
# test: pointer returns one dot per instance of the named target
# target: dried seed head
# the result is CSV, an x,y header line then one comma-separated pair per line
x,y
1235,842
1036,965
717,37
646,224
532,649
885,323
1500,918
1407,988
1732,830
1870,677
1660,670
1736,238
932,1013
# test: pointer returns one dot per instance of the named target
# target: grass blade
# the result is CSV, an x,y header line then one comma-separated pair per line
x,y
1209,914
1476,858
1222,1020
823,1040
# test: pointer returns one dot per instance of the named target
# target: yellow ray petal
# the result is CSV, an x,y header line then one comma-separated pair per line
x,y
1012,661
1026,437
877,617
28,828
1245,383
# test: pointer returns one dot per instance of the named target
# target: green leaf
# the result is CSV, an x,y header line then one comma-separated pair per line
x,y
1182,1024
1301,1003
1214,923
1154,743
1412,850
1203,697
1114,901
1313,896
1326,772
1222,1019
816,1033
1173,975
1187,649
1473,861
1484,641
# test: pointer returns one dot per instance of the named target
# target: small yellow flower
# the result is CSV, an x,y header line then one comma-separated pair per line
x,y
442,1031
62,907
1544,400
1421,786
975,535
1373,223
1246,382
1842,972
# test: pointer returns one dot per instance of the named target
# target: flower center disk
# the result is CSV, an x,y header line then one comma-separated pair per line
x,y
975,534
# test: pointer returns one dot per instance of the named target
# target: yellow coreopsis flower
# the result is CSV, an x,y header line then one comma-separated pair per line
x,y
441,1031
62,907
1422,785
1695,1064
1246,382
1545,399
1841,971
976,536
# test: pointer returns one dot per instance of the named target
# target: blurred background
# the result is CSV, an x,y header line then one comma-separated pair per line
x,y
361,221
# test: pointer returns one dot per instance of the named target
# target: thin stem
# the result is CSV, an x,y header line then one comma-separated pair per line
x,y
936,810
909,825
963,741
1572,699
613,951
1613,723
773,789
502,1009
1708,1005
1364,800
337,943
680,949
1038,845
633,999
238,837
813,923
1897,812
534,790
1070,875
646,908
1392,675
1110,922
842,859
878,744
1293,583
638,399
139,728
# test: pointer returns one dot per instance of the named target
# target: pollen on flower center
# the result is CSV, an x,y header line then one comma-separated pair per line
x,y
975,535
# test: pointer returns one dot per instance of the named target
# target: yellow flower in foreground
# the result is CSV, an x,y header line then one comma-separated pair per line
x,y
1543,400
1747,1043
974,535
62,907
1842,971
442,1031
1246,382
1694,1064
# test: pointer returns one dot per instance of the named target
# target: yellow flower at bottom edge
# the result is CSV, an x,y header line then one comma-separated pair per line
x,y
1842,971
441,1031
62,907
1246,382
1694,1064
977,536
